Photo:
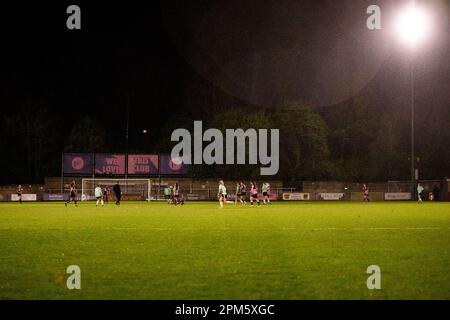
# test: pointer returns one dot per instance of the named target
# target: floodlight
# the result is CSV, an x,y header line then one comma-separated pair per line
x,y
412,25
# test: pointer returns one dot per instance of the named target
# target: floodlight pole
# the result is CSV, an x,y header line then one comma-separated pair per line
x,y
413,173
127,124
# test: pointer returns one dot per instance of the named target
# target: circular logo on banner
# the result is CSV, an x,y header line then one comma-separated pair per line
x,y
175,164
77,163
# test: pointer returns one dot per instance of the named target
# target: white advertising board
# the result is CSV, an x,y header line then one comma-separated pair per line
x,y
296,196
25,197
397,196
331,196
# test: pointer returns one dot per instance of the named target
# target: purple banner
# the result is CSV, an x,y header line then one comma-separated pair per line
x,y
172,166
77,163
142,164
110,164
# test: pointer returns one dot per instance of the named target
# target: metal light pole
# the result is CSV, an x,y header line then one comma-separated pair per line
x,y
413,169
127,124
127,144
412,26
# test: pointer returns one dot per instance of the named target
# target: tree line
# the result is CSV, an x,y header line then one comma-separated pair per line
x,y
349,142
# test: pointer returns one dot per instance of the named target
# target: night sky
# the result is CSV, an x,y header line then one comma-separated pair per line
x,y
165,58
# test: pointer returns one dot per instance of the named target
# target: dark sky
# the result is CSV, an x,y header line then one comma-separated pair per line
x,y
121,54
318,51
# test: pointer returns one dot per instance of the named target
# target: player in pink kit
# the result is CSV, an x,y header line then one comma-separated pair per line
x,y
366,193
254,194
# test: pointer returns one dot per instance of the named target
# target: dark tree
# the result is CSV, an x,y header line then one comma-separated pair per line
x,y
87,135
303,142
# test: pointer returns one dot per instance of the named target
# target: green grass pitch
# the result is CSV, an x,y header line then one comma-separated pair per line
x,y
290,250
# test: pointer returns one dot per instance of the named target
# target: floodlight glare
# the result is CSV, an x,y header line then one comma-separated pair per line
x,y
412,25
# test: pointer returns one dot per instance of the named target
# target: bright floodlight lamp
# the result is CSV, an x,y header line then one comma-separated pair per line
x,y
412,25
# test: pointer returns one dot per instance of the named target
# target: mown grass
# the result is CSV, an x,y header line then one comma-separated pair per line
x,y
289,250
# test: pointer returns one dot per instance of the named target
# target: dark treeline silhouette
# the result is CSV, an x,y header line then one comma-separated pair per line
x,y
348,142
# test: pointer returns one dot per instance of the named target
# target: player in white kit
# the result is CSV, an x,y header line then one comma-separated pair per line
x,y
222,194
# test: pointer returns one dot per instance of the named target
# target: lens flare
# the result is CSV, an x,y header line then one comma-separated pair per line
x,y
412,25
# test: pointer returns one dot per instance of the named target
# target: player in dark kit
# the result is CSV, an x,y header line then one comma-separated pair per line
x,y
72,194
242,192
117,192
366,193
106,192
19,192
238,192
177,196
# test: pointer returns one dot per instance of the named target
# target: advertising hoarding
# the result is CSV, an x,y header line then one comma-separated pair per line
x,y
25,197
331,196
77,163
144,164
296,196
110,164
397,196
172,166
